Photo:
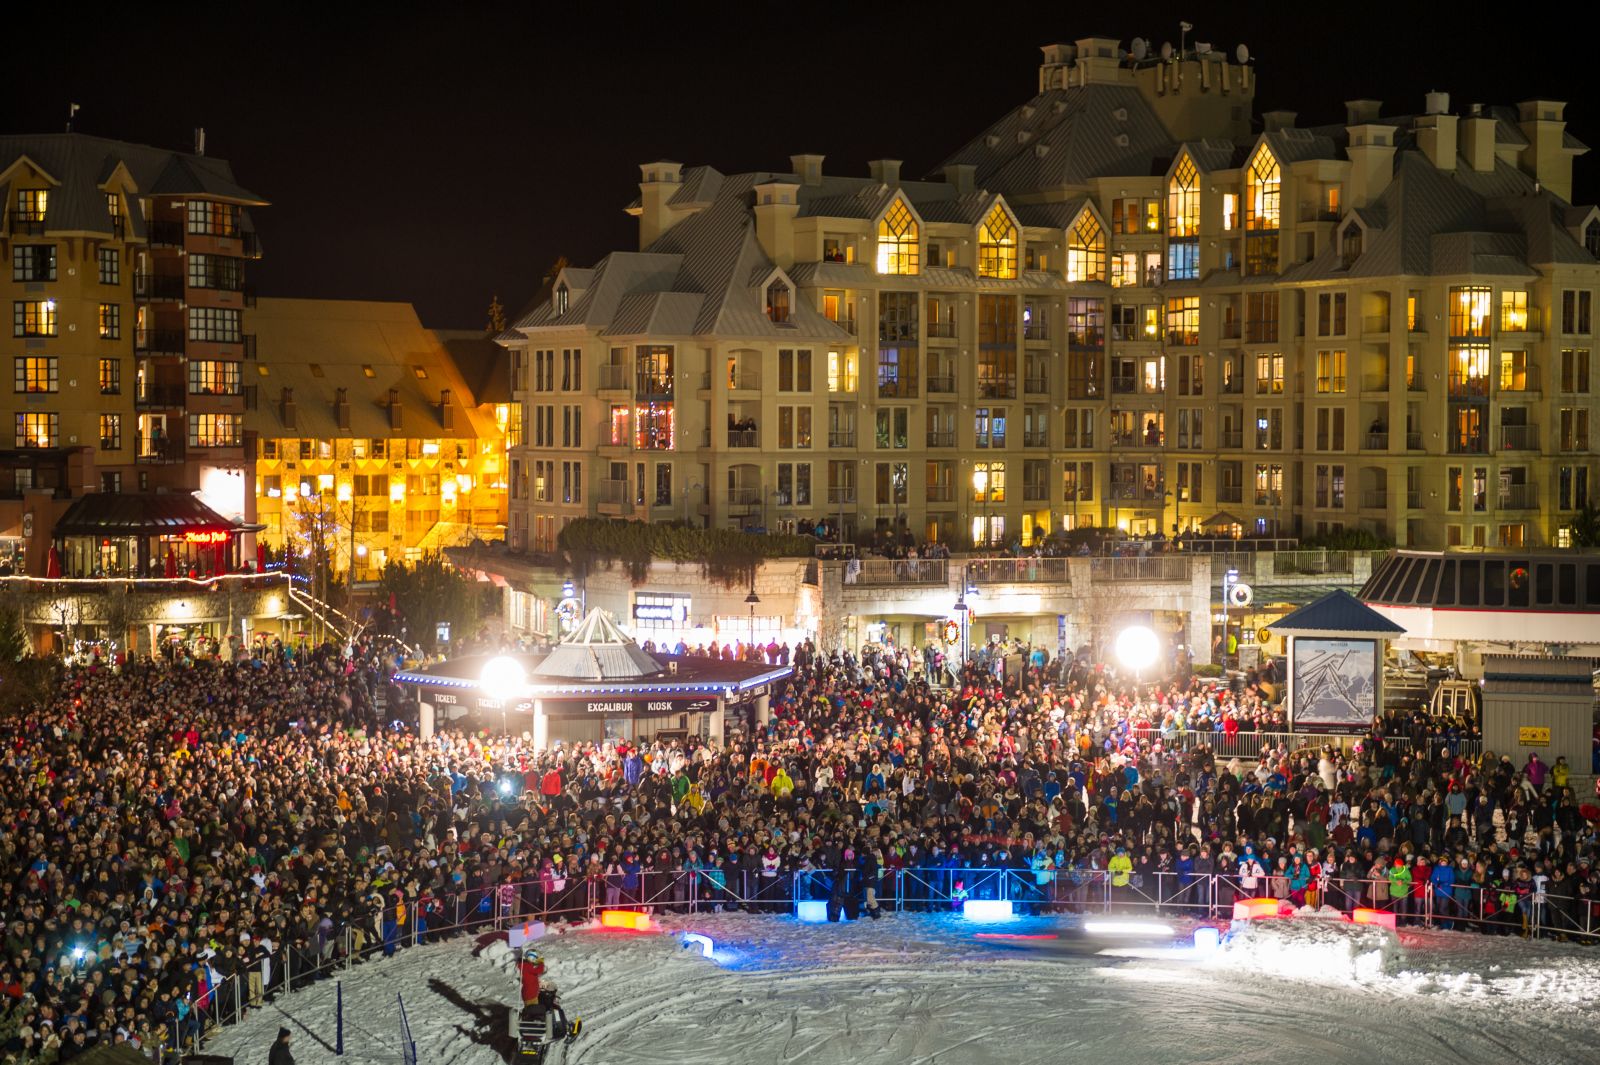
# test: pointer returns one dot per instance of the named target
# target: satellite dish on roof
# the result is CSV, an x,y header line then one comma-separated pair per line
x,y
1141,48
1242,54
1201,48
1166,50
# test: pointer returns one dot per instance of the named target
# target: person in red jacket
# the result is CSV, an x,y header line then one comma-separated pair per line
x,y
531,966
550,787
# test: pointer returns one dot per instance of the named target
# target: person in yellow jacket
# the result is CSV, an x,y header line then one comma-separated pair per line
x,y
1121,869
696,799
782,785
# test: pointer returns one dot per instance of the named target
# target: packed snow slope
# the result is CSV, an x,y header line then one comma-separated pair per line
x,y
921,989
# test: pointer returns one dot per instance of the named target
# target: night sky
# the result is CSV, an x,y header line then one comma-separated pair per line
x,y
441,157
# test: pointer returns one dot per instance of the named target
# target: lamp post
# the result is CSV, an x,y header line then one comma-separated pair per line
x,y
751,600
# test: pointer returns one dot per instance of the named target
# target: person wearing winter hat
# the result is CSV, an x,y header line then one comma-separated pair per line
x,y
280,1054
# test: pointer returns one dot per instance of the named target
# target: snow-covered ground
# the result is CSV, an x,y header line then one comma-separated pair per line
x,y
920,989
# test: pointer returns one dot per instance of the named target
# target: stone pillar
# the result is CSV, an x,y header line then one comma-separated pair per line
x,y
541,726
719,723
763,710
425,720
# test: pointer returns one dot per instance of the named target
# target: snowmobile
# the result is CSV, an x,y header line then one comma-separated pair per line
x,y
541,1026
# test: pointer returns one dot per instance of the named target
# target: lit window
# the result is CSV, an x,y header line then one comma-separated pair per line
x,y
1086,250
1183,200
38,429
897,241
1470,309
997,245
778,301
36,373
563,298
1263,182
33,318
32,205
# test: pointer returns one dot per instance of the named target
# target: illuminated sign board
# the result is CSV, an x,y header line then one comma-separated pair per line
x,y
205,537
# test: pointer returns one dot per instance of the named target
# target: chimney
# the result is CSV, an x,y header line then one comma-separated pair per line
x,y
885,171
1098,59
1371,152
1478,139
808,168
1436,103
1273,121
1436,136
1546,157
1361,112
200,140
960,175
341,409
777,203
447,410
286,407
659,182
394,409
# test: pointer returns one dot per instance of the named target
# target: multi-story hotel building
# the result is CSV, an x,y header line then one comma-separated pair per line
x,y
377,438
1126,303
128,339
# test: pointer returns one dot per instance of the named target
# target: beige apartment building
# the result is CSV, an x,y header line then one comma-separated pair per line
x,y
378,440
1127,303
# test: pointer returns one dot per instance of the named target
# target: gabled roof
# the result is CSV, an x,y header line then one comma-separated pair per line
x,y
79,165
1337,613
139,514
597,650
1065,137
316,347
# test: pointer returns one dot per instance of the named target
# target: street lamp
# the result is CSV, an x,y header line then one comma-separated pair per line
x,y
1137,648
503,678
751,600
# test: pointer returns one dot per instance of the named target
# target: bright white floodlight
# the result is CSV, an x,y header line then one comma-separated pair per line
x,y
502,678
1137,648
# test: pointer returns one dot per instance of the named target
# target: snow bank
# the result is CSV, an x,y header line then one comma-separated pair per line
x,y
1311,946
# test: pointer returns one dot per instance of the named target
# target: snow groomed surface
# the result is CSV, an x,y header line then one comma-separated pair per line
x,y
916,988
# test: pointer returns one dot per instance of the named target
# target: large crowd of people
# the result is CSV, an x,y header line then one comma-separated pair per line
x,y
183,839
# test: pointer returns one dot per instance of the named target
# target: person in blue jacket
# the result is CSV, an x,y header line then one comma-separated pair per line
x,y
1443,880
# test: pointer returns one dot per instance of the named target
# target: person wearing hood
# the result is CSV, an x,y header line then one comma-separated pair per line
x,y
280,1054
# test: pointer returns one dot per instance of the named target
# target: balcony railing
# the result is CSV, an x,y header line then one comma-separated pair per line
x,y
1035,438
897,332
1413,441
941,438
161,287
614,379
1525,380
844,495
1528,321
159,341
1413,500
1470,445
1375,442
899,571
1314,560
1036,330
166,234
1375,382
1519,438
1124,386
1375,323
1023,570
744,437
1001,388
1038,385
1136,493
1230,493
1035,493
1137,438
158,396
1089,339
943,384
1469,387
614,493
1375,499
1134,568
941,493
1232,330
941,330
157,451
841,438
1518,497
899,388
1233,386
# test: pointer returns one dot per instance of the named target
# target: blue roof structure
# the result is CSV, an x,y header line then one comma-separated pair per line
x,y
1336,612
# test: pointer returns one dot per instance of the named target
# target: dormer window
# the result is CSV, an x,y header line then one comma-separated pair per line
x,y
563,296
1350,246
778,301
997,245
1591,238
898,240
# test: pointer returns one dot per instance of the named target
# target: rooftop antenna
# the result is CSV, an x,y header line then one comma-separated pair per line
x,y
1183,36
199,140
72,113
